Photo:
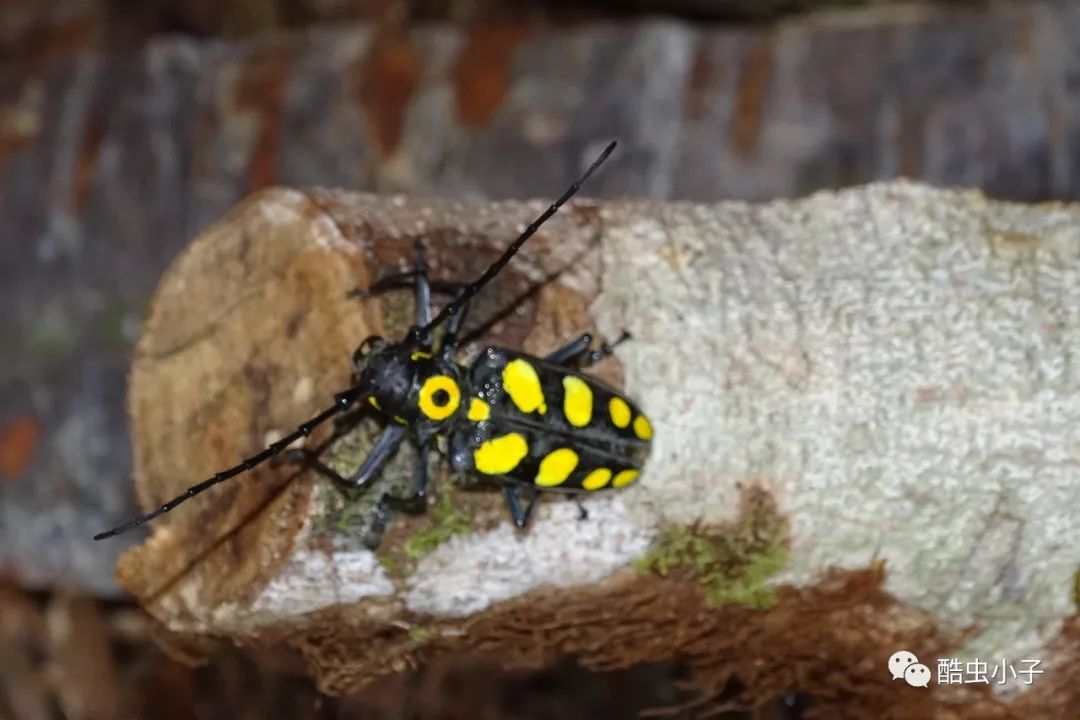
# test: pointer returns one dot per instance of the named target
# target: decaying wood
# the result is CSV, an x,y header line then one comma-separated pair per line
x,y
865,416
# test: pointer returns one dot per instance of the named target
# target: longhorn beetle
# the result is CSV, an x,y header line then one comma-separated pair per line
x,y
534,424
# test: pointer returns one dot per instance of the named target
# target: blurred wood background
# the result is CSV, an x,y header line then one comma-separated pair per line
x,y
127,127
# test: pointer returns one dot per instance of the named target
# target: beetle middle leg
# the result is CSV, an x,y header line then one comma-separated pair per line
x,y
577,351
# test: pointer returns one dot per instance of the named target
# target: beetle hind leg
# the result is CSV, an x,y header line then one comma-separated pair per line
x,y
577,352
513,504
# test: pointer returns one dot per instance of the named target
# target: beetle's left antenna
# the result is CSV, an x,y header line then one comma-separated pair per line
x,y
342,402
453,307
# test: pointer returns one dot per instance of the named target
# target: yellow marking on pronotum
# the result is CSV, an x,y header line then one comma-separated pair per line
x,y
478,410
500,455
523,385
597,479
374,403
577,401
642,428
441,408
556,467
619,411
420,355
624,478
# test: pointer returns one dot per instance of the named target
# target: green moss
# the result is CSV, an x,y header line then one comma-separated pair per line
x,y
447,520
733,564
421,634
394,567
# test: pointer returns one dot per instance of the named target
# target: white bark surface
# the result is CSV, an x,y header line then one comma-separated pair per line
x,y
897,363
894,363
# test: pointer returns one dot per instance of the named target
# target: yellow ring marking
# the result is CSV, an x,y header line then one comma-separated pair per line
x,y
577,401
597,479
624,478
619,411
642,428
478,410
374,403
401,420
556,467
523,385
427,403
418,355
500,455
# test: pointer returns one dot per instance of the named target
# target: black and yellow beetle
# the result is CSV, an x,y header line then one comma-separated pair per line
x,y
531,423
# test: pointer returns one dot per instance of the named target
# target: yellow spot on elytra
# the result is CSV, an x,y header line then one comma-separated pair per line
x,y
556,467
420,355
500,455
478,410
523,385
374,403
620,412
436,405
597,479
577,401
624,478
642,428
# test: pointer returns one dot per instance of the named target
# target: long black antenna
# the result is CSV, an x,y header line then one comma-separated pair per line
x,y
342,402
452,308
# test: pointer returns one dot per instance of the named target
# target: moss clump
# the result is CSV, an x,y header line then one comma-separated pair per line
x,y
447,520
420,634
733,564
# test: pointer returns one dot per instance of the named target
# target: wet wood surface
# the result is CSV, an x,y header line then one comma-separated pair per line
x,y
109,165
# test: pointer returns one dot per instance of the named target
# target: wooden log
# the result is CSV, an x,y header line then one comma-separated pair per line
x,y
865,442
109,165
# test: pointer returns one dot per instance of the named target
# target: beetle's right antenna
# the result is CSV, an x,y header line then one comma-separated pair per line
x,y
453,307
342,402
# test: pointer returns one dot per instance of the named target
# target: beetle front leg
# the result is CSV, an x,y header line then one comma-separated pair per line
x,y
382,451
453,326
413,504
310,461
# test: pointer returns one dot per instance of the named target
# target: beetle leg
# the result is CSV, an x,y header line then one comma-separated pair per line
x,y
583,512
414,504
605,350
570,351
577,351
422,291
448,343
382,451
307,459
513,503
402,280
